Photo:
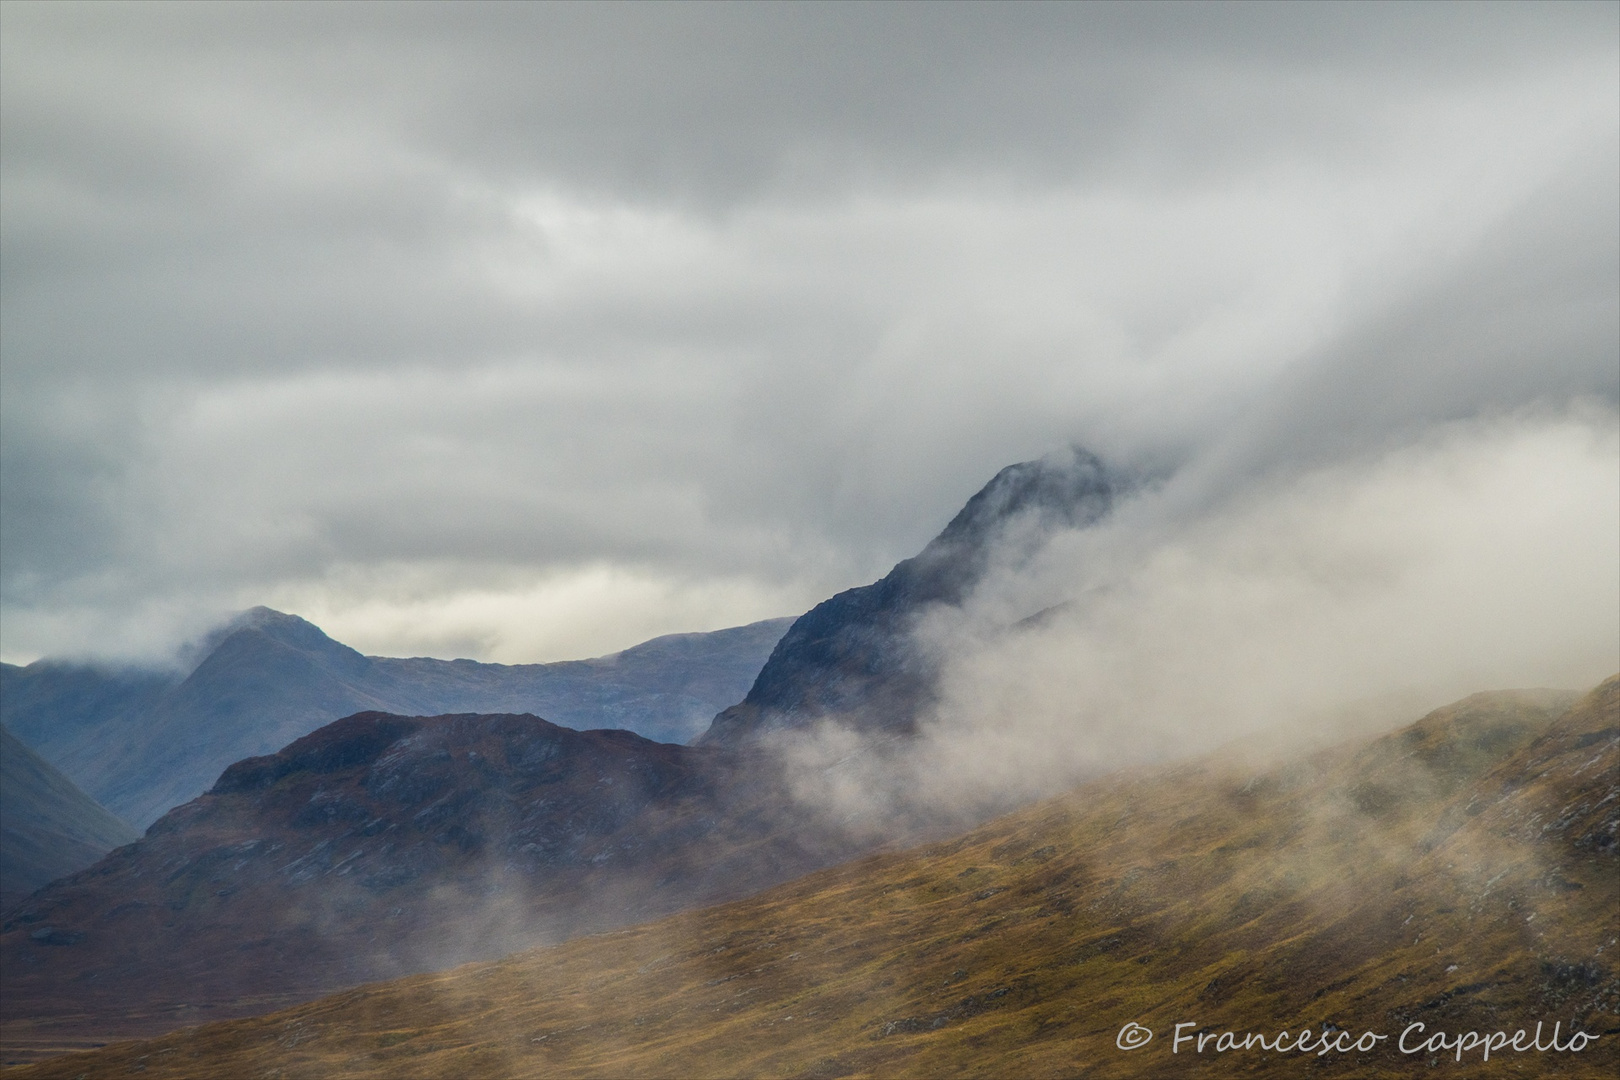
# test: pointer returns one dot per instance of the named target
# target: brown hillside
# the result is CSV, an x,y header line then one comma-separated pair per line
x,y
379,846
1462,873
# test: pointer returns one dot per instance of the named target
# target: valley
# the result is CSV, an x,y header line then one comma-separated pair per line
x,y
48,827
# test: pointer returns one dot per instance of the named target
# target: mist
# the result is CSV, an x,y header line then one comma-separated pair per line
x,y
529,332
1317,603
526,333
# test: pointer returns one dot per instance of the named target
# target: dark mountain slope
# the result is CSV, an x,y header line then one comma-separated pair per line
x,y
1462,874
48,827
53,705
142,742
273,678
850,657
380,845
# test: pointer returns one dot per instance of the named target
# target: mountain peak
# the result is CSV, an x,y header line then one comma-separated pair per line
x,y
289,629
1070,487
258,616
1066,489
260,622
851,656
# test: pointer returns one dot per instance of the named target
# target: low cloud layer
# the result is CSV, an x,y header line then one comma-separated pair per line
x,y
526,332
1345,597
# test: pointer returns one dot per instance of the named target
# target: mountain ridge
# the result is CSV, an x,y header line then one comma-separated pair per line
x,y
380,845
1459,874
850,659
48,827
142,742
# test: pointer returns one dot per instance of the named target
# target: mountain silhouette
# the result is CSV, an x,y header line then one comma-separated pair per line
x,y
140,742
851,658
380,845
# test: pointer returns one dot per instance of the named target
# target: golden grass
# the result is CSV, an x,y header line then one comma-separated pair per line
x,y
1451,873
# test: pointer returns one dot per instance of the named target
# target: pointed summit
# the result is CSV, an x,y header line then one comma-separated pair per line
x,y
144,741
267,625
850,657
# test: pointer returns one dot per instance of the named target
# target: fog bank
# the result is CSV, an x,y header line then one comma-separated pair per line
x,y
1482,555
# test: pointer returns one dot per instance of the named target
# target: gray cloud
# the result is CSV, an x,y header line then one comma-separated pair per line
x,y
1338,598
398,309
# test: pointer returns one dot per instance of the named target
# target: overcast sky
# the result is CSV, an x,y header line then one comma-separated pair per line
x,y
526,332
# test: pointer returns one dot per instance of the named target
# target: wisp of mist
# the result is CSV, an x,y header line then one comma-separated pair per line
x,y
1284,611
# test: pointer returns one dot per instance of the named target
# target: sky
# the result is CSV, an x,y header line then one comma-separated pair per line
x,y
528,332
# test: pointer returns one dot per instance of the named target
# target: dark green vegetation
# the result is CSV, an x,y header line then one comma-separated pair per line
x,y
143,742
1463,873
48,827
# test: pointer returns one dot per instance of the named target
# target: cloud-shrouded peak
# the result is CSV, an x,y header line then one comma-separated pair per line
x,y
852,660
527,332
1069,487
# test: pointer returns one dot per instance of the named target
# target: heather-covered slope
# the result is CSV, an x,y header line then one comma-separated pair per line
x,y
381,845
1462,874
851,657
142,742
48,827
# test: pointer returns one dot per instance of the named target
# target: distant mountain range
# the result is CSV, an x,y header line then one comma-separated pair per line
x,y
1459,875
48,827
397,840
1354,883
140,742
851,660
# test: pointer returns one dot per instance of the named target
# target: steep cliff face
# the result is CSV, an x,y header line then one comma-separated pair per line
x,y
851,658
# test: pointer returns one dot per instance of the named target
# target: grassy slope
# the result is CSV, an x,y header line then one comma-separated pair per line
x,y
1462,872
379,846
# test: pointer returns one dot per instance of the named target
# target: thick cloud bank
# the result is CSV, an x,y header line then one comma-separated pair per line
x,y
529,331
1364,592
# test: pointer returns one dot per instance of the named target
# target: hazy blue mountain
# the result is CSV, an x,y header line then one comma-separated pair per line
x,y
850,657
53,704
141,742
48,827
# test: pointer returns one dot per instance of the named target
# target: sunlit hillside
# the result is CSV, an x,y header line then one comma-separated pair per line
x,y
1462,874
